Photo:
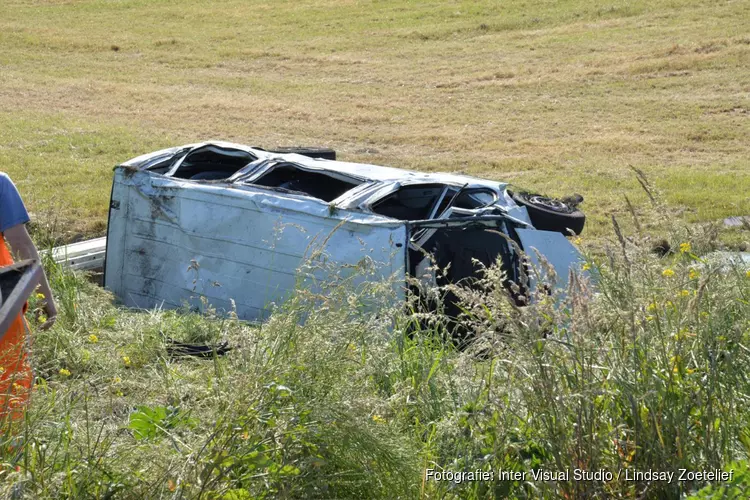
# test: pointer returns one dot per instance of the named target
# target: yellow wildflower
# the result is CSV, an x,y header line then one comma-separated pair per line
x,y
693,274
684,293
578,241
684,332
126,360
64,372
649,318
685,247
675,361
747,273
586,266
667,273
40,296
652,307
116,380
378,419
93,339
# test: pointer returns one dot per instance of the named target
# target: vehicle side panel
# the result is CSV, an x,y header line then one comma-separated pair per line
x,y
171,241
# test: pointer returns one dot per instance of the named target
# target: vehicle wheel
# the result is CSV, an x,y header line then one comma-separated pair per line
x,y
324,153
551,214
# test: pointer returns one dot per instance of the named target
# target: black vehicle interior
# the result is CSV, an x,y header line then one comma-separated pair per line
x,y
413,202
211,163
416,202
475,198
319,185
458,248
459,251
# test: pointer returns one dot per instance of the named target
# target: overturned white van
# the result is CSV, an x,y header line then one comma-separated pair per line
x,y
232,225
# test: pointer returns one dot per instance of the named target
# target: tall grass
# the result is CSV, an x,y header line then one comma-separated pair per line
x,y
340,395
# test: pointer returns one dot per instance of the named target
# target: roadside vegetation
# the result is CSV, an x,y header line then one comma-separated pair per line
x,y
339,395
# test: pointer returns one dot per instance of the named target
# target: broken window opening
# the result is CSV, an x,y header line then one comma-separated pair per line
x,y
411,202
476,198
319,185
162,165
211,163
418,202
468,199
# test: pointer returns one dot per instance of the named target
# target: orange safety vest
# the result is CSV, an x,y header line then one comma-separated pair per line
x,y
16,377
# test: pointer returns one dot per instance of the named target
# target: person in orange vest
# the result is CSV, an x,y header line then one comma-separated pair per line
x,y
16,377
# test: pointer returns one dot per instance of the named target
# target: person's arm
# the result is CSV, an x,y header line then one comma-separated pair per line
x,y
20,242
13,219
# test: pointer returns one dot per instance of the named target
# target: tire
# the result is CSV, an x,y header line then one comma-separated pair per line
x,y
550,214
324,153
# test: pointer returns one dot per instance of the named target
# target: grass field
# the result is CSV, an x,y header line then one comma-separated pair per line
x,y
553,96
332,397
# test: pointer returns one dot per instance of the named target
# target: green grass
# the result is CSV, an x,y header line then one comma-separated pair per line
x,y
332,399
554,96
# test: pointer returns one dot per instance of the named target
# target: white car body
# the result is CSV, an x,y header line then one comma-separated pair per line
x,y
242,245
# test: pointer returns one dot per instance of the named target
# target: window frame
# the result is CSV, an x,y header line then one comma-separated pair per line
x,y
266,167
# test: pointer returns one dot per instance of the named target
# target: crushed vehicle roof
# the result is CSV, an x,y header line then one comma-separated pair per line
x,y
364,170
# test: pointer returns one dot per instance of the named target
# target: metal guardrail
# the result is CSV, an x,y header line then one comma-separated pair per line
x,y
84,255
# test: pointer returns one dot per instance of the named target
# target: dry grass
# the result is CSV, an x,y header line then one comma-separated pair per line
x,y
556,97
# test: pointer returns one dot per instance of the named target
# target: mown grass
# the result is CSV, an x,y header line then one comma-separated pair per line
x,y
555,96
339,397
